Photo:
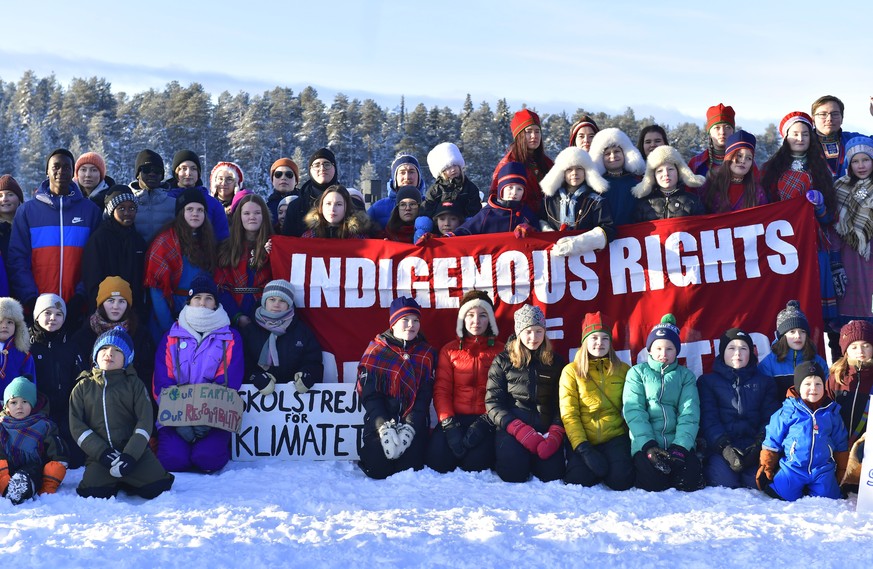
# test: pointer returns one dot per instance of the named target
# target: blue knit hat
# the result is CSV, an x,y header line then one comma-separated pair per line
x,y
666,330
118,338
202,284
402,306
739,140
20,387
401,160
858,144
511,173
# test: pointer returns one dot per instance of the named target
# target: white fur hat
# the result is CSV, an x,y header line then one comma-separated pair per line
x,y
633,158
476,299
568,158
442,156
657,158
11,309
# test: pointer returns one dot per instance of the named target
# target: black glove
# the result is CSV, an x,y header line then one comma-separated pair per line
x,y
108,457
678,456
659,458
21,487
201,431
734,457
454,437
751,456
122,465
593,459
187,433
263,382
478,431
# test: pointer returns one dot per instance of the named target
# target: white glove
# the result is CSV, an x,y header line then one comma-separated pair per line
x,y
406,433
390,440
578,244
299,384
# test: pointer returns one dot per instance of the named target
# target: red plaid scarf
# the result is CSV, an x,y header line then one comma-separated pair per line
x,y
398,373
793,184
164,263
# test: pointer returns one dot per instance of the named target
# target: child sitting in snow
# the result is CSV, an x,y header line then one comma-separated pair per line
x,y
32,456
806,447
111,418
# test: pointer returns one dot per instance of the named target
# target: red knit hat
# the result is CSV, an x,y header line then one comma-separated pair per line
x,y
95,160
595,322
793,117
719,114
523,119
854,331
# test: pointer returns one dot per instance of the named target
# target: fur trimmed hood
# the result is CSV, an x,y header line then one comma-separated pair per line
x,y
633,158
568,158
658,157
357,223
11,308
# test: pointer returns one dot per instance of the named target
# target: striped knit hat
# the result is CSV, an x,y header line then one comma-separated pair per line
x,y
595,322
511,173
793,117
402,306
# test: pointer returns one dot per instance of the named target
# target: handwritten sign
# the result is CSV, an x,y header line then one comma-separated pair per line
x,y
325,423
201,404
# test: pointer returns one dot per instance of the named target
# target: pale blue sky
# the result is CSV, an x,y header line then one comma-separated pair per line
x,y
668,59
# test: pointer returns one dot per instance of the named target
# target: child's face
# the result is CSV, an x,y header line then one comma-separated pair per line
x,y
406,328
532,337
115,307
280,213
50,319
860,351
476,321
18,407
861,165
613,159
7,329
667,176
110,358
447,223
574,176
737,354
663,351
796,338
513,192
451,172
742,162
598,344
275,304
811,389
333,208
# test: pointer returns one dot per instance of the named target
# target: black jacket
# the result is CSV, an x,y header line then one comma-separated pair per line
x,y
115,250
298,350
460,191
656,205
591,210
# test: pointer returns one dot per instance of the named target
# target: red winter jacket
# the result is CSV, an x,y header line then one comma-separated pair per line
x,y
461,375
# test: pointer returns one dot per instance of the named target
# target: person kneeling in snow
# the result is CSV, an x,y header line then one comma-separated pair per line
x,y
32,455
809,435
395,383
111,418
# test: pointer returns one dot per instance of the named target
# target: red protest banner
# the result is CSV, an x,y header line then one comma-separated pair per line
x,y
712,272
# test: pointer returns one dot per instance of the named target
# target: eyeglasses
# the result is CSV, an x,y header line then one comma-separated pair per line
x,y
149,169
322,165
278,174
823,115
225,180
407,205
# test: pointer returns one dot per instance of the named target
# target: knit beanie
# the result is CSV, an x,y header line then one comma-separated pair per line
x,y
527,316
408,193
324,153
238,197
523,119
147,158
806,369
233,167
595,322
288,163
736,334
8,183
20,387
855,331
665,330
117,195
511,173
790,318
793,117
187,196
719,114
114,287
202,284
11,309
400,161
402,306
739,140
185,156
95,160
49,300
476,299
444,155
280,289
287,200
577,126
118,338
856,145
62,151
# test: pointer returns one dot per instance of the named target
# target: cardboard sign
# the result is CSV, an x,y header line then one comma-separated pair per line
x,y
201,404
325,423
865,486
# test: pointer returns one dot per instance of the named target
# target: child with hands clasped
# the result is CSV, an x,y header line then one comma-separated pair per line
x,y
395,383
806,447
522,401
32,456
111,418
662,410
590,402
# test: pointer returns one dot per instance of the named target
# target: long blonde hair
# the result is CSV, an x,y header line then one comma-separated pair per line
x,y
520,356
582,361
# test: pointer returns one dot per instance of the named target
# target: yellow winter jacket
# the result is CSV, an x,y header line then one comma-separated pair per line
x,y
591,406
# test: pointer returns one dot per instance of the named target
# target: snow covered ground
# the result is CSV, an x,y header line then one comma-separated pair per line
x,y
328,514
